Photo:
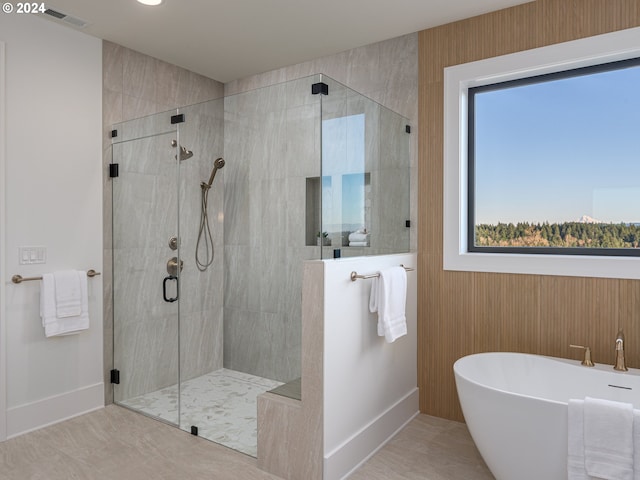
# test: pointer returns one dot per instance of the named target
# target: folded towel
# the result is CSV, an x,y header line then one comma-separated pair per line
x,y
358,237
608,439
52,323
358,244
636,444
388,298
575,460
68,295
47,299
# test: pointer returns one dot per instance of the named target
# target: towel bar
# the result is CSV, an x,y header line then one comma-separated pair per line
x,y
19,278
355,275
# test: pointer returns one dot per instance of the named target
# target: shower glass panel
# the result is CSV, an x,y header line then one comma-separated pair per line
x,y
215,209
203,382
168,307
145,216
365,176
272,149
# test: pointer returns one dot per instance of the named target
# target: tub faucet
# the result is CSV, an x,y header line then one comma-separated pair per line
x,y
587,362
620,353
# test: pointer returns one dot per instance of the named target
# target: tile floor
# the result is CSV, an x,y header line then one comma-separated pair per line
x,y
222,404
114,443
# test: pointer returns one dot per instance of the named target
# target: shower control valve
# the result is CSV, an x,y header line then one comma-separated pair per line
x,y
172,266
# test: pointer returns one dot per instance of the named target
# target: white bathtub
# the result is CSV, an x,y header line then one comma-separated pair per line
x,y
515,406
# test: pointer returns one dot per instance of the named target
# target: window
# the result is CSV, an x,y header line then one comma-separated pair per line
x,y
494,106
554,163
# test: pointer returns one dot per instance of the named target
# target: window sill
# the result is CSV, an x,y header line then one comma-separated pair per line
x,y
565,265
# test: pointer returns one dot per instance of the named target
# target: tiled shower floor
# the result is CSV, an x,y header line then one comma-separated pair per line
x,y
222,404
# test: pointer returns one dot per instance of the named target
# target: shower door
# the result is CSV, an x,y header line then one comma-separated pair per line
x,y
146,255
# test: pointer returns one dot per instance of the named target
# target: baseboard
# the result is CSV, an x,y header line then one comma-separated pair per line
x,y
346,458
33,416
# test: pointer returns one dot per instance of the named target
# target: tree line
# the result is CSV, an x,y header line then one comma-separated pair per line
x,y
567,234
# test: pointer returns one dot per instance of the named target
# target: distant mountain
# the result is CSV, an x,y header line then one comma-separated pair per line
x,y
588,219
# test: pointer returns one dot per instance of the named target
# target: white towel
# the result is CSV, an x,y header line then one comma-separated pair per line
x,y
575,460
52,323
608,439
636,444
358,244
68,294
358,237
388,298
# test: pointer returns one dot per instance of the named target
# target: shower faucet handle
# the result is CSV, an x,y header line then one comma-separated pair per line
x,y
587,362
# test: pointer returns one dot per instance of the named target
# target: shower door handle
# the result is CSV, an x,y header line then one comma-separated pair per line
x,y
164,288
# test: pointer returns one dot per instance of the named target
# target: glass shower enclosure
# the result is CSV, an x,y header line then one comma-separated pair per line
x,y
310,170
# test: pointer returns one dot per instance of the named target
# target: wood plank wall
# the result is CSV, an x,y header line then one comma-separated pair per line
x,y
461,313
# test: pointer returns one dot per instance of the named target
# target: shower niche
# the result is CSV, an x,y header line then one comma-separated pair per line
x,y
304,174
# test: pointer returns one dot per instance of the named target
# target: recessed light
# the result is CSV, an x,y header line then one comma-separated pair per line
x,y
150,2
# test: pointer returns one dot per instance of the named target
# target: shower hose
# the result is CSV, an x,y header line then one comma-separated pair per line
x,y
205,232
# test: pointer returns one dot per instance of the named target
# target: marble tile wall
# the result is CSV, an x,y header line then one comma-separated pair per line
x,y
145,329
262,314
134,86
386,72
149,207
271,147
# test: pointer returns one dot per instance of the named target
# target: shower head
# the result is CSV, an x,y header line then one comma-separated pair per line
x,y
184,153
217,165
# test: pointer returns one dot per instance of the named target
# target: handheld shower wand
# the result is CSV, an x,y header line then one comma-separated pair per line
x,y
217,165
204,220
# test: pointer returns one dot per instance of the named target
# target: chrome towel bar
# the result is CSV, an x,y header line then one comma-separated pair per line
x,y
355,275
19,278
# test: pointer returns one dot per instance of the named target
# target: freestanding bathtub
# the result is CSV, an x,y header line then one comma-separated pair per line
x,y
515,406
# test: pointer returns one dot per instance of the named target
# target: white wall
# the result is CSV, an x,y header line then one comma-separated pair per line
x,y
53,197
370,386
3,273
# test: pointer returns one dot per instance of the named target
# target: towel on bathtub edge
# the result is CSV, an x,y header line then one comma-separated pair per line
x,y
608,439
575,460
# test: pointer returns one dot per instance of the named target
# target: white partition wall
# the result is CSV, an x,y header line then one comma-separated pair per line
x,y
370,386
52,188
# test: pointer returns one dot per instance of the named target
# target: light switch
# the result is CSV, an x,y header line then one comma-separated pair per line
x,y
32,255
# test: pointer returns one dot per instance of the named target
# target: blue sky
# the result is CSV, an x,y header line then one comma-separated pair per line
x,y
556,151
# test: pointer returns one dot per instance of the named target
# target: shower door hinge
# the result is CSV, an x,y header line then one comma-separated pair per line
x,y
113,170
115,376
177,118
320,88
114,133
407,128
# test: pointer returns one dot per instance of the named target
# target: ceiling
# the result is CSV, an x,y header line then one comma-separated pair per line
x,y
228,40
